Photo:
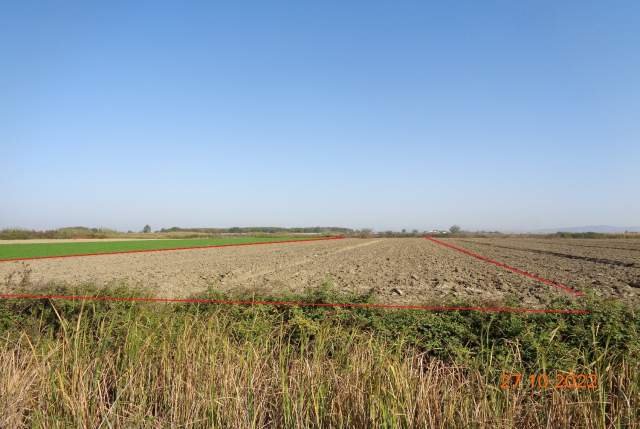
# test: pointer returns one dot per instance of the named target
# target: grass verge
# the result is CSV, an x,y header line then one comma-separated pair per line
x,y
120,364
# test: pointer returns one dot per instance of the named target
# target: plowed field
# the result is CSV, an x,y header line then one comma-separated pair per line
x,y
402,270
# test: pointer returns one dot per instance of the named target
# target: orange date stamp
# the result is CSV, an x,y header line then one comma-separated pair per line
x,y
516,380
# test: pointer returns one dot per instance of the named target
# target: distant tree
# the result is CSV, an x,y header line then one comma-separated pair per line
x,y
414,232
454,229
404,231
146,229
365,232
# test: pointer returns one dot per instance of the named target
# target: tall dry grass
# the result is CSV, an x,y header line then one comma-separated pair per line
x,y
148,365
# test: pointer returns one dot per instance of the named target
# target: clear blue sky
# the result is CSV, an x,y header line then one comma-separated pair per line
x,y
488,114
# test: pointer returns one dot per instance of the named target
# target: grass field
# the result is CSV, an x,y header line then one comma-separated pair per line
x,y
41,250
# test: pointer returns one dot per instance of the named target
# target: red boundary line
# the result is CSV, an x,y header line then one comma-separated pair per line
x,y
295,304
339,237
555,284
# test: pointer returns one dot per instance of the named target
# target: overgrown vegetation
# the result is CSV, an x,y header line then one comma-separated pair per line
x,y
174,232
122,364
69,232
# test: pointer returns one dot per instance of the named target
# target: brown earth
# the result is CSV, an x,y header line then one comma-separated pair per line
x,y
395,270
608,268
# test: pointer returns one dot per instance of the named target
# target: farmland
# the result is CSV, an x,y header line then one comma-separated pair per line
x,y
400,270
139,364
55,248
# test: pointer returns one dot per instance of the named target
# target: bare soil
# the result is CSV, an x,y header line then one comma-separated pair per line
x,y
395,270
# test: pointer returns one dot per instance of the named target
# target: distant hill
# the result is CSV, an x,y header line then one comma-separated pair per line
x,y
601,229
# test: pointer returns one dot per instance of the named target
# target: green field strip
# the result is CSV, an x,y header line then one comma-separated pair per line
x,y
43,250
